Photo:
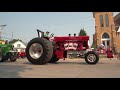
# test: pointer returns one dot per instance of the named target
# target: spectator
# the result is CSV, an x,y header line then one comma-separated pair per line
x,y
109,53
6,42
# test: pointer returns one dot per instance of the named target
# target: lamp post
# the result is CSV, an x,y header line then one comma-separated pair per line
x,y
113,48
12,35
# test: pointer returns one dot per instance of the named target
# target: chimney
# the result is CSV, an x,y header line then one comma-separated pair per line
x,y
74,34
69,35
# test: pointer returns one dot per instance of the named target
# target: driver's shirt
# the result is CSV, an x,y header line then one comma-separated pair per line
x,y
46,35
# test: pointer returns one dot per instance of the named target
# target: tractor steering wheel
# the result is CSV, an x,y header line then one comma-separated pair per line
x,y
51,35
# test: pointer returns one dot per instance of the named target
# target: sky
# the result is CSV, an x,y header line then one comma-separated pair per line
x,y
24,24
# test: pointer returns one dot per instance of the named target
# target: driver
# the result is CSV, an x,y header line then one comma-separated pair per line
x,y
46,34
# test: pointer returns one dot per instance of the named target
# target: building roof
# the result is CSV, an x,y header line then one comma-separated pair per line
x,y
117,19
21,42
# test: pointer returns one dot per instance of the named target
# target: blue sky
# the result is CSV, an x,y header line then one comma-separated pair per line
x,y
24,24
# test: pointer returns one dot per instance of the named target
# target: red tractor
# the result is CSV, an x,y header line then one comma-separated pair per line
x,y
42,50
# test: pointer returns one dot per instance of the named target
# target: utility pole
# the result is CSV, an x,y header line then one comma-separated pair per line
x,y
12,35
1,30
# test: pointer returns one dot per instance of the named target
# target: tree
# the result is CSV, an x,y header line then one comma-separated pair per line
x,y
14,40
82,32
94,45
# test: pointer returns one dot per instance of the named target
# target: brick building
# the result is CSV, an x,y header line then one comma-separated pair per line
x,y
107,31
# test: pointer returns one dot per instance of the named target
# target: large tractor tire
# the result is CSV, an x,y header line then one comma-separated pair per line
x,y
91,57
39,51
54,59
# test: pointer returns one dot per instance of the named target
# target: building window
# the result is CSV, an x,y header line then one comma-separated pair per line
x,y
18,45
101,21
107,20
104,43
105,35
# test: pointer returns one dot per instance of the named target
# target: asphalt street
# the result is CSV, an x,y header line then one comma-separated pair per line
x,y
69,68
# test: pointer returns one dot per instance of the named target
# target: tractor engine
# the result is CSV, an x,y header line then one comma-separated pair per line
x,y
70,43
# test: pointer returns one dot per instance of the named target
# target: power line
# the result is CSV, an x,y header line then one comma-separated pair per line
x,y
6,38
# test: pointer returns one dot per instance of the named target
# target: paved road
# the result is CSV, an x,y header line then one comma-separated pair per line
x,y
74,68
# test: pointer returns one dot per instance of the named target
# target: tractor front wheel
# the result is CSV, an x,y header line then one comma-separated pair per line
x,y
12,55
13,58
91,57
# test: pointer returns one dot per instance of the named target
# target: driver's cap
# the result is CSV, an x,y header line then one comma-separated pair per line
x,y
47,32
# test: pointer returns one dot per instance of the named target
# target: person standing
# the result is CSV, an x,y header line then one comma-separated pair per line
x,y
6,42
109,53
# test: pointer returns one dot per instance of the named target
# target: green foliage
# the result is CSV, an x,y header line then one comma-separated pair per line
x,y
93,45
82,32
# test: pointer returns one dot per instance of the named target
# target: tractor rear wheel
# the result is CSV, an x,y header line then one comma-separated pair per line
x,y
91,57
54,59
39,51
1,56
